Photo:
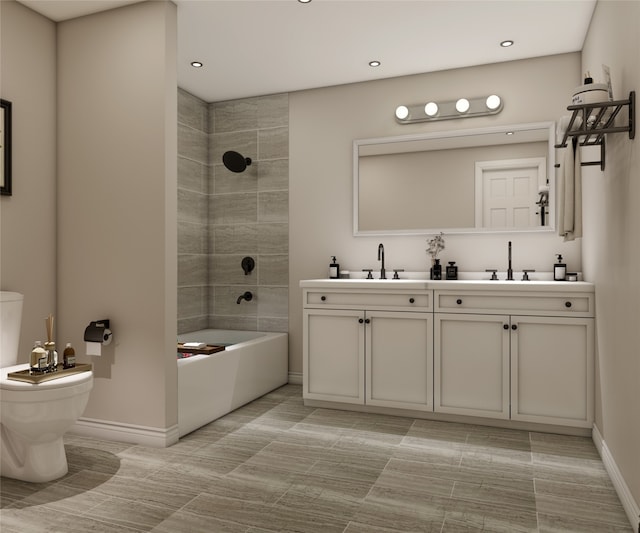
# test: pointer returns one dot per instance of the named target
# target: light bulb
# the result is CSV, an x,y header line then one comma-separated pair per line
x,y
493,102
431,109
462,105
402,112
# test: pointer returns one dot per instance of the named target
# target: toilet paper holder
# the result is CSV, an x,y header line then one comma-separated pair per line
x,y
98,331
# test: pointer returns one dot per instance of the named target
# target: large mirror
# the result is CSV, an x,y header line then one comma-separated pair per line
x,y
497,179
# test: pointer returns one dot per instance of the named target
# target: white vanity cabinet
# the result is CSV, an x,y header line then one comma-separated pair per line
x,y
527,356
369,347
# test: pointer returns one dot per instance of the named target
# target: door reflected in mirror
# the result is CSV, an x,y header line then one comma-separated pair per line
x,y
485,180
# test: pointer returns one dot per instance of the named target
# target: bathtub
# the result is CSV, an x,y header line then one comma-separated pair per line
x,y
210,386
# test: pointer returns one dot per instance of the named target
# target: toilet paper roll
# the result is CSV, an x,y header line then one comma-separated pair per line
x,y
94,348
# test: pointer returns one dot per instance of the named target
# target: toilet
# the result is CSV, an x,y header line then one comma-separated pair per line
x,y
34,417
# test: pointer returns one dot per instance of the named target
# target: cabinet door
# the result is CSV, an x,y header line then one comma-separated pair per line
x,y
399,359
552,370
471,365
333,355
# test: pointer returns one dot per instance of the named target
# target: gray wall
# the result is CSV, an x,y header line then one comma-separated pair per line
x,y
225,216
28,80
323,124
611,246
116,224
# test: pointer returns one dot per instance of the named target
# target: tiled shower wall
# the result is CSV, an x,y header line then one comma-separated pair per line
x,y
193,209
225,216
249,214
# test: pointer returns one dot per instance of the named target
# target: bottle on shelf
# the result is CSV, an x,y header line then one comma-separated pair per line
x,y
68,357
38,361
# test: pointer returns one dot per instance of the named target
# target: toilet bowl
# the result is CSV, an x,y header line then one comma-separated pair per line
x,y
34,417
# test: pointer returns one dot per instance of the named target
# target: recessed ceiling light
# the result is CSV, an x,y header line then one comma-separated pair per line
x,y
374,63
304,1
507,43
196,64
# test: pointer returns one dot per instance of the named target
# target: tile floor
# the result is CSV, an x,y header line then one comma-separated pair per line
x,y
276,465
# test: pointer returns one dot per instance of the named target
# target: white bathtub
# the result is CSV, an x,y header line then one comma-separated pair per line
x,y
210,386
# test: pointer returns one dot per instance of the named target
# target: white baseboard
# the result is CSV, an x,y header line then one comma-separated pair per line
x,y
630,506
295,378
143,435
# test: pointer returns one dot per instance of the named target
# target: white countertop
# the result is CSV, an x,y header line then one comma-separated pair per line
x,y
464,284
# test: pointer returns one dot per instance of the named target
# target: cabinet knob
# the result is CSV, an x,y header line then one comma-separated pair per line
x,y
567,304
412,300
514,327
459,301
361,321
323,298
505,326
367,321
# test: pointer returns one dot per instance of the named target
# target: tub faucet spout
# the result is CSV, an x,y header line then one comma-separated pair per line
x,y
248,296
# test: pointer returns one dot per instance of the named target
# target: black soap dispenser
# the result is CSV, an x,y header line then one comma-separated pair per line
x,y
559,270
334,268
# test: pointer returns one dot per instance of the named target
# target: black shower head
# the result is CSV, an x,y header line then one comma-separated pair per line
x,y
235,162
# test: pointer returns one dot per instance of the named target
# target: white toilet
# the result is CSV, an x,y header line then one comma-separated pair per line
x,y
34,417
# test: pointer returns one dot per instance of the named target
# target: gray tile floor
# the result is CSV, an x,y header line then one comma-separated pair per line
x,y
276,465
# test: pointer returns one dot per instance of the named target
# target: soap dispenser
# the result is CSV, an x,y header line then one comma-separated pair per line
x,y
334,268
559,270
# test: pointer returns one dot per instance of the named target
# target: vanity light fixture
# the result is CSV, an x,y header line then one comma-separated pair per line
x,y
374,63
196,64
460,108
507,43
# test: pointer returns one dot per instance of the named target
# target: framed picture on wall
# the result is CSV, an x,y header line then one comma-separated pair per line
x,y
5,147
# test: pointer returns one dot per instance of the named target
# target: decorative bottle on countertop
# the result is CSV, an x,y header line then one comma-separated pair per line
x,y
38,361
436,270
334,268
68,357
52,356
559,270
452,270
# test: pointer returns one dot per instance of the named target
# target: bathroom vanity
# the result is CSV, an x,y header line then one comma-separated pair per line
x,y
509,353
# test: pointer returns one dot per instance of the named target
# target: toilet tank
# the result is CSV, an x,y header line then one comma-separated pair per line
x,y
10,320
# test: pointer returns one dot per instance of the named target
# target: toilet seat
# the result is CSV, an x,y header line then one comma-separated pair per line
x,y
13,390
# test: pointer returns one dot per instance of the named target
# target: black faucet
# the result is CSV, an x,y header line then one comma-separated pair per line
x,y
248,296
383,272
510,270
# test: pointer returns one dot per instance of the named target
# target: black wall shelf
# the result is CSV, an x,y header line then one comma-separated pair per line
x,y
596,120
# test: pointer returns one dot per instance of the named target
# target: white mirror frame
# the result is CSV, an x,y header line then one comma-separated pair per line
x,y
453,136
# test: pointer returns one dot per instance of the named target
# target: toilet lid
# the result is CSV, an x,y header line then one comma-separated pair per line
x,y
67,381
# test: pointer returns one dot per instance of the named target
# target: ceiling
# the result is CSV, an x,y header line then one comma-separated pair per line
x,y
258,47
